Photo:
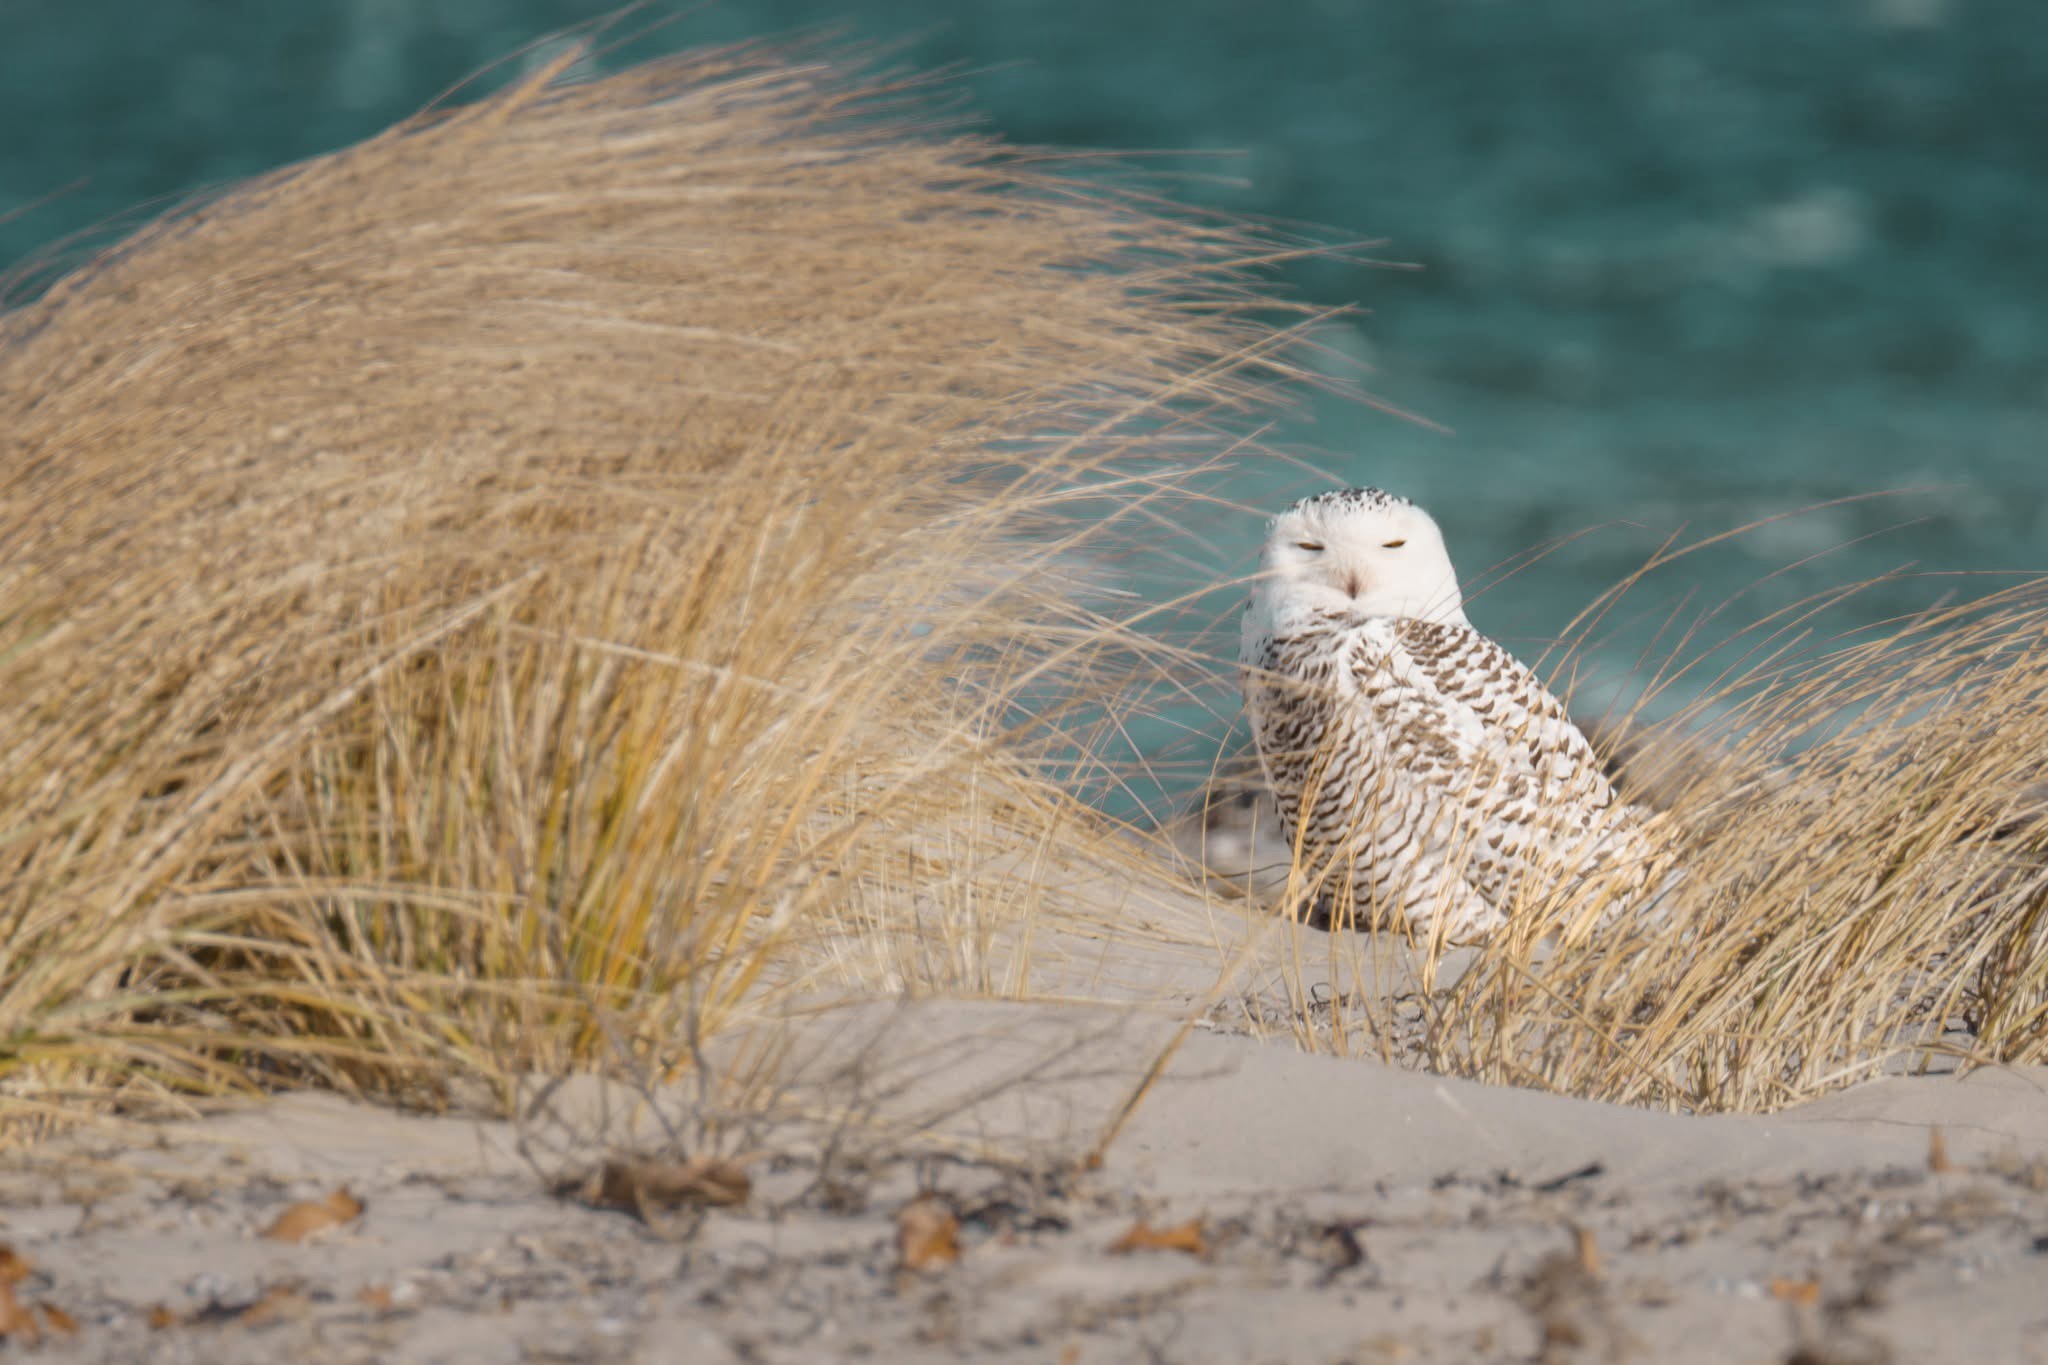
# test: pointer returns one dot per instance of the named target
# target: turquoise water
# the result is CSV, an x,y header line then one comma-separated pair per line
x,y
1681,265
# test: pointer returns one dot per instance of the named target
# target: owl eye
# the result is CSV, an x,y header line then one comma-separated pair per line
x,y
1307,545
1392,544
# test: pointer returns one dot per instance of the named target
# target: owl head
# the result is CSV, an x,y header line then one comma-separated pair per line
x,y
1356,550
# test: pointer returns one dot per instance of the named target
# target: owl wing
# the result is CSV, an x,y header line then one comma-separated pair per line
x,y
1455,709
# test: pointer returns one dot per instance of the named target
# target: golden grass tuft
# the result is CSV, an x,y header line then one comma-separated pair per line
x,y
517,593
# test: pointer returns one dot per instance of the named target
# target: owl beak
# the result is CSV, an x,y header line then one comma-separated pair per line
x,y
1354,583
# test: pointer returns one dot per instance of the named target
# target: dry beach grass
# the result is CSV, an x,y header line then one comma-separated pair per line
x,y
518,593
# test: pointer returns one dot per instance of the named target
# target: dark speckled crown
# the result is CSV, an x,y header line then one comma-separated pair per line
x,y
1351,500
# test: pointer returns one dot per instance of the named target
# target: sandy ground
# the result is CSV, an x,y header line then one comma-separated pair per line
x,y
1345,1211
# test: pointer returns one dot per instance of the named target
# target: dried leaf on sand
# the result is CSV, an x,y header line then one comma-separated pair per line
x,y
1190,1237
927,1234
16,1321
1801,1292
637,1184
314,1216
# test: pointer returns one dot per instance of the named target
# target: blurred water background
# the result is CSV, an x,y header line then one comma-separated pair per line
x,y
1681,265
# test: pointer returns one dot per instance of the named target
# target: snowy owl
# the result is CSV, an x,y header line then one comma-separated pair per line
x,y
1427,774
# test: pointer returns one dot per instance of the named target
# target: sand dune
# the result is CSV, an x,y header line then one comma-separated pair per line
x,y
1348,1211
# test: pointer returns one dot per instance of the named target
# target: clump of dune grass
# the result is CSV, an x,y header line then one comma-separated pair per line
x,y
518,593
1849,876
